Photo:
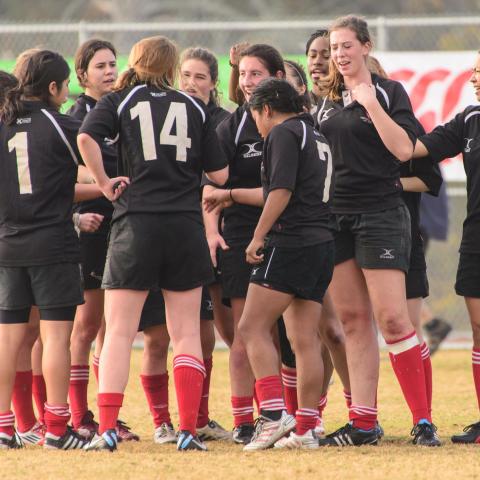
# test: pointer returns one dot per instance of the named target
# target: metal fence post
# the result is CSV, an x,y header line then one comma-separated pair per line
x,y
382,34
82,32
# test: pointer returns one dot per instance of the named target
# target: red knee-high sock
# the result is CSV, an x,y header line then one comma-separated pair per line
x,y
270,393
188,373
203,417
56,418
322,403
242,409
156,391
348,398
363,417
39,391
306,419
22,401
78,392
109,405
476,372
7,421
406,358
427,368
255,397
289,380
95,365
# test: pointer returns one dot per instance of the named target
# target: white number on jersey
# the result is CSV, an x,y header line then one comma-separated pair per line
x,y
326,155
19,143
177,113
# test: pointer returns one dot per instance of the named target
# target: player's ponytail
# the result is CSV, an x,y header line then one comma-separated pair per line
x,y
277,94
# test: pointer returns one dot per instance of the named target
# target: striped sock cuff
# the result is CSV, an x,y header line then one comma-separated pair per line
x,y
7,419
79,373
58,410
322,402
96,360
361,410
242,410
425,351
306,412
189,361
272,404
347,395
476,356
403,344
289,378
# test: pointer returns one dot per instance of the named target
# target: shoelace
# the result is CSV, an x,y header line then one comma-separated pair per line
x,y
123,425
341,431
473,426
425,428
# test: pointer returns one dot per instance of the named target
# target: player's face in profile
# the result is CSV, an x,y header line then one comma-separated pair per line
x,y
317,58
251,73
195,79
101,73
263,120
59,96
293,80
348,53
475,78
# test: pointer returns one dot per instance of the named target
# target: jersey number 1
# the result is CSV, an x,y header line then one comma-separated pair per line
x,y
19,143
177,113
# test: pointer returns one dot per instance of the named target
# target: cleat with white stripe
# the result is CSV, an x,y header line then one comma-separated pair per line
x,y
108,440
213,431
307,441
267,432
8,442
34,436
165,433
188,441
70,440
350,436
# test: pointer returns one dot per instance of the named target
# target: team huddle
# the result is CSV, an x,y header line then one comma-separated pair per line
x,y
290,224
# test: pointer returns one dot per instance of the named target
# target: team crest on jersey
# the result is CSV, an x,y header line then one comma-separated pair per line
x,y
468,145
23,121
251,150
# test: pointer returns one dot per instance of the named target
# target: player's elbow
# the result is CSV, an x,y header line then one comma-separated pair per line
x,y
219,177
405,152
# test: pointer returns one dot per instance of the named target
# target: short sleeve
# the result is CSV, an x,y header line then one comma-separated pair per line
x,y
213,157
401,112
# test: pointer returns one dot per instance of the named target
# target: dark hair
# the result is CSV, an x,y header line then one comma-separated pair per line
x,y
301,80
41,69
7,82
268,55
278,94
85,53
316,34
209,59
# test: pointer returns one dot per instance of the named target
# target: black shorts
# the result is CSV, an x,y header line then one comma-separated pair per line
x,y
234,272
93,248
303,272
416,281
286,352
49,287
153,313
153,251
468,275
377,240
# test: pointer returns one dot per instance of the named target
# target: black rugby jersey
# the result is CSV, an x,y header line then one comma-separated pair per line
x,y
38,161
165,141
297,158
217,114
427,170
462,135
366,172
102,205
242,145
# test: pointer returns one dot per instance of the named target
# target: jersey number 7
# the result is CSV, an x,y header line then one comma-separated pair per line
x,y
177,113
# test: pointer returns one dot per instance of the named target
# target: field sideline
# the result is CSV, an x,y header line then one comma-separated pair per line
x,y
454,407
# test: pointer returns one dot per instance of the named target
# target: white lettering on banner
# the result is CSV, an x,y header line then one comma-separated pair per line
x,y
439,88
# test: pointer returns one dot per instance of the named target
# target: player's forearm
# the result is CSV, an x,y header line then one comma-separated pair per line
x,y
248,196
92,156
413,184
276,203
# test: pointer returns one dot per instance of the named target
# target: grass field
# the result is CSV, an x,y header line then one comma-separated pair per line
x,y
454,407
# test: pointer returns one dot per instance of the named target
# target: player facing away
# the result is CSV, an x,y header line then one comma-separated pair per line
x,y
460,135
157,238
38,243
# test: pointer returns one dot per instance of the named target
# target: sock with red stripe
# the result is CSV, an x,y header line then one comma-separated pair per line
x,y
406,358
322,403
306,419
348,398
77,392
242,409
95,365
362,417
22,401
427,369
188,373
289,380
476,372
56,418
156,391
203,417
109,405
270,396
39,391
7,421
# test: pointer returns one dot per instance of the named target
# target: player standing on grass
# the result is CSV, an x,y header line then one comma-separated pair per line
x,y
460,135
157,238
370,126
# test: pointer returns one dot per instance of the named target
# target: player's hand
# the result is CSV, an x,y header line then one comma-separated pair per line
x,y
89,222
114,187
364,94
215,199
216,241
254,251
235,51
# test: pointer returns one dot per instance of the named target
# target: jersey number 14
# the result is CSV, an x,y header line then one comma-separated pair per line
x,y
177,113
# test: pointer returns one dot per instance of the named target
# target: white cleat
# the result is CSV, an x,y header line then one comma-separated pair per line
x,y
267,432
165,433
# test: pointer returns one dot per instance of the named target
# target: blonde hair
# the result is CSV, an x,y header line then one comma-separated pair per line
x,y
152,60
331,86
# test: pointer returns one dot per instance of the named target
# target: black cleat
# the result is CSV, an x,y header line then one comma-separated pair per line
x,y
380,431
348,435
70,440
108,441
425,434
8,442
243,433
471,434
437,330
188,441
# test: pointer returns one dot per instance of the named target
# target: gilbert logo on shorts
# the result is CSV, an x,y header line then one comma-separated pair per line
x,y
387,254
251,150
255,270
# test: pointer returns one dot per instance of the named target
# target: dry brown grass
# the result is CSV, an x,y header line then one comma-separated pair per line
x,y
454,407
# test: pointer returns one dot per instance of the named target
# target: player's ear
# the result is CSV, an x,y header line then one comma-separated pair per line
x,y
52,89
